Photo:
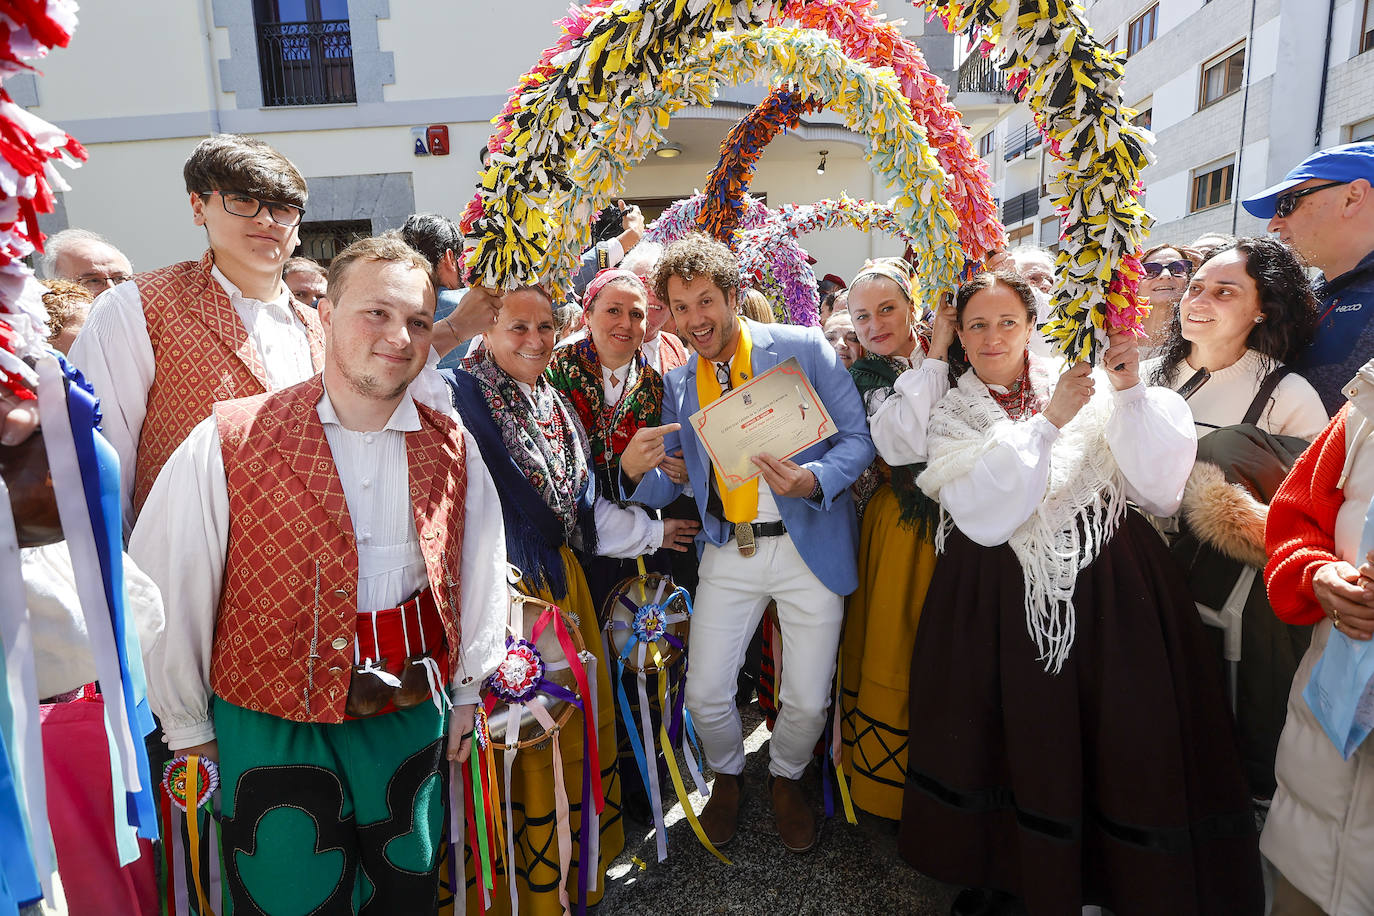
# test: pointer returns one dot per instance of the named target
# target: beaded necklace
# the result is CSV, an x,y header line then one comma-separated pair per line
x,y
1020,400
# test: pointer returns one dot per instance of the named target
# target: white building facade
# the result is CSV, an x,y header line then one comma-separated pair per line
x,y
1237,92
345,88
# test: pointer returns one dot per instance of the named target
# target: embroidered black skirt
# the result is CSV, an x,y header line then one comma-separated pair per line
x,y
1114,782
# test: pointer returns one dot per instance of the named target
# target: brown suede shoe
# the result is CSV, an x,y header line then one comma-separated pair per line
x,y
720,818
793,815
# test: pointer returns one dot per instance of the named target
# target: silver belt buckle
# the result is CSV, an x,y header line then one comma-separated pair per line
x,y
744,539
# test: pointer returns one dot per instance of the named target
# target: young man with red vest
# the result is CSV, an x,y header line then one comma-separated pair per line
x,y
163,347
335,555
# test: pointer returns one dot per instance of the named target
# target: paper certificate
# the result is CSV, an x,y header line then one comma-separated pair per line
x,y
777,412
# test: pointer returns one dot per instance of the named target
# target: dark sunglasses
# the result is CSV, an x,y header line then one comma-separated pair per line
x,y
1287,203
1179,268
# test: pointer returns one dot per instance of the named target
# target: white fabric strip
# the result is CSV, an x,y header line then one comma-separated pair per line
x,y
23,691
90,587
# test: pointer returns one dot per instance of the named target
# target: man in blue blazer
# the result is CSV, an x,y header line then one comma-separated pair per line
x,y
790,536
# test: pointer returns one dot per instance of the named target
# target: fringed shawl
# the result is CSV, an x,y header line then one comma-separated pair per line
x,y
1083,503
542,509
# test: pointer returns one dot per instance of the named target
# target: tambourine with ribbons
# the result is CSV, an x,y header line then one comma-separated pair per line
x,y
646,624
546,675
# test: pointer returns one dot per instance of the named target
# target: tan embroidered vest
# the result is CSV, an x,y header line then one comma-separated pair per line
x,y
202,355
288,610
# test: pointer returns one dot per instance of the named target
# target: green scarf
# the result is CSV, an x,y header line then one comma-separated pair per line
x,y
878,375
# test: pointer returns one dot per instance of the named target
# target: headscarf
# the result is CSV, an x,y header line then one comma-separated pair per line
x,y
607,276
895,269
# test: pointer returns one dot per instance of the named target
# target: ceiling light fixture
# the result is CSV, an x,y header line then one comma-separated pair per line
x,y
820,169
668,150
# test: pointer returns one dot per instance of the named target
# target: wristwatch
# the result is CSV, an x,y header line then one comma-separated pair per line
x,y
816,491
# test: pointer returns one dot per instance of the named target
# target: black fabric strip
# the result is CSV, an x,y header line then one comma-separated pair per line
x,y
1173,840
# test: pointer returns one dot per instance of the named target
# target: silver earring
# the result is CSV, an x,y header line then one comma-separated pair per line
x,y
1259,319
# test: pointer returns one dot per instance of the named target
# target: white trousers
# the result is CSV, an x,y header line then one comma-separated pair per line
x,y
730,601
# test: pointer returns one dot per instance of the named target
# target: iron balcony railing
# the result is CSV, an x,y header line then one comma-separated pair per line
x,y
1020,207
1022,140
979,74
306,63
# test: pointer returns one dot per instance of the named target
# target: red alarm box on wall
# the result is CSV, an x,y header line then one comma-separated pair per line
x,y
436,138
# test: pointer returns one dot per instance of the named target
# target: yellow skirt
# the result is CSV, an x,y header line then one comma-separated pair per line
x,y
532,799
895,567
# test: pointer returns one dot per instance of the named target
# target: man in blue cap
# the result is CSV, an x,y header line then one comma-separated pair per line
x,y
1324,208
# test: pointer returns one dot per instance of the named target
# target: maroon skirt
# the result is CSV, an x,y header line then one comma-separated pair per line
x,y
1115,782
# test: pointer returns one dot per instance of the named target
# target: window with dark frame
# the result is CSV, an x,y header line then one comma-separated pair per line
x,y
1111,44
323,239
1050,229
1221,77
1145,118
987,143
1142,30
1367,27
305,52
1212,188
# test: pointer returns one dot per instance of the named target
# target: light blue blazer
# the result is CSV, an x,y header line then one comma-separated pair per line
x,y
826,533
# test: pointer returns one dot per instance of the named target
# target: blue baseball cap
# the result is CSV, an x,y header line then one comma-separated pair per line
x,y
1339,163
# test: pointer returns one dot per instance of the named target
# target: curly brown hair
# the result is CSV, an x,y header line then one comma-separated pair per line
x,y
64,300
697,255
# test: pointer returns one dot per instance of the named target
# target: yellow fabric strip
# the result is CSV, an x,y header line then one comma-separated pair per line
x,y
835,757
193,829
742,503
670,755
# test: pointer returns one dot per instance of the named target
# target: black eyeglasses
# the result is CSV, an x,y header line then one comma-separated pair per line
x,y
1179,268
1287,203
248,206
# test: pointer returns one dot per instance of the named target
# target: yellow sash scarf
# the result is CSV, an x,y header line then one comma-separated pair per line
x,y
742,503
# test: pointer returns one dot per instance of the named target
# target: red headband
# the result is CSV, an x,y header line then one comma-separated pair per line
x,y
606,276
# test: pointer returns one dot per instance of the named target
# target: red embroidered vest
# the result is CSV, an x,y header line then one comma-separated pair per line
x,y
202,354
288,610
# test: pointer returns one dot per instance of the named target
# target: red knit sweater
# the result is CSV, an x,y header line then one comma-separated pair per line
x,y
1300,533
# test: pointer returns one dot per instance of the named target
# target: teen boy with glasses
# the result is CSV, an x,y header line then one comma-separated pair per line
x,y
1324,208
162,349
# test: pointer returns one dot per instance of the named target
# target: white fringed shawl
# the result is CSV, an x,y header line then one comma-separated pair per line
x,y
1083,503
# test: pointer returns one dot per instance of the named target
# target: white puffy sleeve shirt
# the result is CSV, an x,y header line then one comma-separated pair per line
x,y
898,424
1150,434
181,541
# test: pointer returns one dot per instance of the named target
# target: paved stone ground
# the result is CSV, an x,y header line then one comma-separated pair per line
x,y
854,869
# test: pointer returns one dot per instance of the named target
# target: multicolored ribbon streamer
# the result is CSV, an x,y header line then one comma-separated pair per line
x,y
524,695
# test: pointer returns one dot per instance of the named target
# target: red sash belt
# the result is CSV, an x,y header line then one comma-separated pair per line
x,y
400,658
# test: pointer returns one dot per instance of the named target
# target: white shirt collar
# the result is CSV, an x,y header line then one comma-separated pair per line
x,y
282,302
405,418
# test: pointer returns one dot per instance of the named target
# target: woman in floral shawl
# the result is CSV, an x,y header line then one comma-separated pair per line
x,y
540,459
614,392
901,377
